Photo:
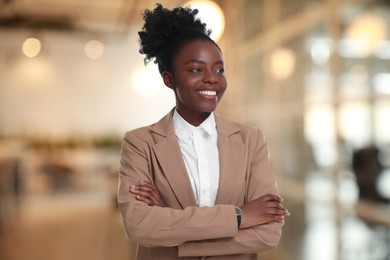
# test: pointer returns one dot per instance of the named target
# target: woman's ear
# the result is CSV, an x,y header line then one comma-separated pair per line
x,y
168,79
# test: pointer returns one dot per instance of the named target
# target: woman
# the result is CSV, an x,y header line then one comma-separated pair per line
x,y
195,185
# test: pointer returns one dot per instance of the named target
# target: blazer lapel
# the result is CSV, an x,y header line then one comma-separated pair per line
x,y
231,153
171,161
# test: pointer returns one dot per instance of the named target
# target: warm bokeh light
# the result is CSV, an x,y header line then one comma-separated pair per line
x,y
31,47
94,49
282,63
211,14
368,31
146,81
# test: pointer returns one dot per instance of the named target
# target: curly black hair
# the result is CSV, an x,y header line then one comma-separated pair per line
x,y
165,31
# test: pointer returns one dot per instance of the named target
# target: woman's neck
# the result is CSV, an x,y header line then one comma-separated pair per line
x,y
195,119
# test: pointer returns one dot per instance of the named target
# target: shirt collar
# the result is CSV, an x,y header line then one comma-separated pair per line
x,y
184,130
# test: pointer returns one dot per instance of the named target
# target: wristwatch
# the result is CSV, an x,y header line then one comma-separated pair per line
x,y
238,215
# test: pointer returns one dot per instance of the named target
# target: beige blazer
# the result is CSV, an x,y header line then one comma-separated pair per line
x,y
182,230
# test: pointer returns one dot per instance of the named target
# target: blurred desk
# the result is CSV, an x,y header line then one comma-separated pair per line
x,y
373,212
377,216
11,179
10,189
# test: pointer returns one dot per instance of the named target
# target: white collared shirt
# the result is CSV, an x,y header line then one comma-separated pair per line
x,y
200,153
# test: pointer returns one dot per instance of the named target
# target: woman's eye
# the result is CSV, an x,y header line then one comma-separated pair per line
x,y
197,70
221,70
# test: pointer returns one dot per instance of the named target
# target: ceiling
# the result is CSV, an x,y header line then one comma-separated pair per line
x,y
100,16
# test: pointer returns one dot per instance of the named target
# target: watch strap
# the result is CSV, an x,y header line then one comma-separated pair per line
x,y
238,216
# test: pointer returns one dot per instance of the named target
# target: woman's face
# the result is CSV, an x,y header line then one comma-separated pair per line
x,y
198,80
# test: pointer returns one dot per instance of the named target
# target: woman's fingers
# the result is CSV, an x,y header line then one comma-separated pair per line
x,y
265,209
277,208
271,197
273,205
278,211
144,199
146,192
142,188
142,191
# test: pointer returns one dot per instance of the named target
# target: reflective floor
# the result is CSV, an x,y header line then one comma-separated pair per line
x,y
63,227
78,219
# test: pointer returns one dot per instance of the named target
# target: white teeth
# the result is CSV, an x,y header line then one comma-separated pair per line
x,y
208,92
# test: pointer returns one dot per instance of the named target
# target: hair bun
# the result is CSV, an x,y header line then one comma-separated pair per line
x,y
162,27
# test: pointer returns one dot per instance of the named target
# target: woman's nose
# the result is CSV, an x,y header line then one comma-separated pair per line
x,y
210,77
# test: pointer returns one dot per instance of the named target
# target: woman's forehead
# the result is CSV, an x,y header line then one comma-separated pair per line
x,y
199,51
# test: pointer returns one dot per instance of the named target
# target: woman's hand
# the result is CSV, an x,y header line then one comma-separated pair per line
x,y
263,210
146,192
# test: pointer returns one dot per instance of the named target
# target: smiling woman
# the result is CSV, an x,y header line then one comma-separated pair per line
x,y
198,82
195,184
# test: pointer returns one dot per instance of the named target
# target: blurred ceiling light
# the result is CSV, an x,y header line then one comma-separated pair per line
x,y
382,83
383,183
146,81
211,14
319,123
320,50
382,124
348,48
94,49
354,122
31,47
282,63
369,29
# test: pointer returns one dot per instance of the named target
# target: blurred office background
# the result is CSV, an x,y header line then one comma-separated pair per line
x,y
313,74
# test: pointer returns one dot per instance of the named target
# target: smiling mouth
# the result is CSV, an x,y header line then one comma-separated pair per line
x,y
210,93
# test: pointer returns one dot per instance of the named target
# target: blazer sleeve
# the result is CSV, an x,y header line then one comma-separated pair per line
x,y
163,226
261,181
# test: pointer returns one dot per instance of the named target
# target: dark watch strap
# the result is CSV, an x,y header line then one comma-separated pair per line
x,y
238,215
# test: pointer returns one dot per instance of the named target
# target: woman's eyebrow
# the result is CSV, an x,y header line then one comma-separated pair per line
x,y
194,61
202,62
